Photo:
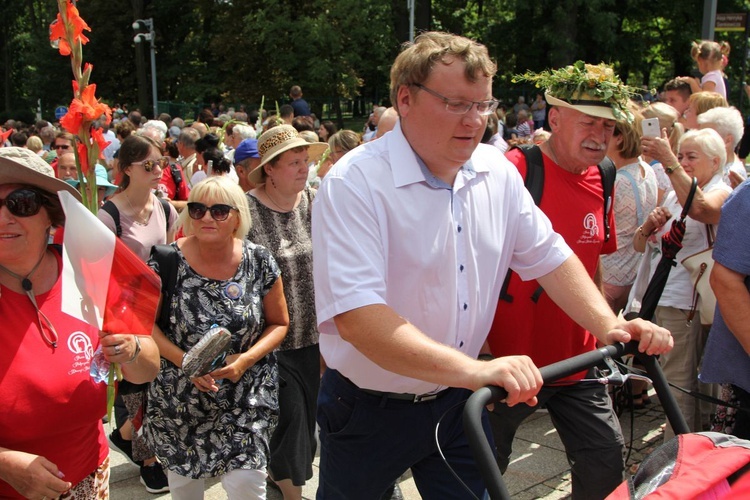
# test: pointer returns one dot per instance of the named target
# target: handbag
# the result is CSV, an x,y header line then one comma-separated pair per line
x,y
699,265
208,354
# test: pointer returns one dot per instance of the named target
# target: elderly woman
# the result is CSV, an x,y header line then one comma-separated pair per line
x,y
218,424
727,121
52,441
281,210
701,154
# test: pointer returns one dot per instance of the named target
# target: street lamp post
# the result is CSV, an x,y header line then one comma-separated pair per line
x,y
138,25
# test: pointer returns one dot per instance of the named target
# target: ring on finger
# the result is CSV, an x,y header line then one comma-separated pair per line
x,y
117,349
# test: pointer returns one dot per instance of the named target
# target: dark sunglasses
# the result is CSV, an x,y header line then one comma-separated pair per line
x,y
23,202
148,165
219,212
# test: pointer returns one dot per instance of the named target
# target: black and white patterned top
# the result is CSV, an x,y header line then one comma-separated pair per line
x,y
197,434
288,237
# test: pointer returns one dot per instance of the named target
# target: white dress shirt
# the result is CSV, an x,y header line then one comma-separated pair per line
x,y
385,231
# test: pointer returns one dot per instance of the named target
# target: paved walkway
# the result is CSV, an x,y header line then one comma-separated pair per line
x,y
538,467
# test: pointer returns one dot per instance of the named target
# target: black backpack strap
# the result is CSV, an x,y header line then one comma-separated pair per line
x,y
112,210
608,172
167,210
534,184
167,259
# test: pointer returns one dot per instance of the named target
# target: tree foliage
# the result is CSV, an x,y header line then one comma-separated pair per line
x,y
238,51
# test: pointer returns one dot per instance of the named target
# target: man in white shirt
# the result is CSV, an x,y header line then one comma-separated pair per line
x,y
412,237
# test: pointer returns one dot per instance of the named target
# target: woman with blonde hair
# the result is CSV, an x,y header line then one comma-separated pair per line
x,y
218,424
699,103
637,193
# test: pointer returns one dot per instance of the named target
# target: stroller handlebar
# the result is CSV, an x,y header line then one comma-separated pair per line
x,y
490,394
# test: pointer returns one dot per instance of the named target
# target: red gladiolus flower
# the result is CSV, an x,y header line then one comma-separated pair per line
x,y
83,157
76,23
98,136
87,108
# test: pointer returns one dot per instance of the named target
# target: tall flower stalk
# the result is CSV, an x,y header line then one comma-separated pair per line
x,y
66,33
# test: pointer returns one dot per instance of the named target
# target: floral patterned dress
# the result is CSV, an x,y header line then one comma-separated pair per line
x,y
197,434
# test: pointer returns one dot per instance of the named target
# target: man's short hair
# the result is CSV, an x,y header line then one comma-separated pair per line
x,y
286,110
301,123
135,117
188,137
243,131
414,64
676,85
178,122
65,135
295,92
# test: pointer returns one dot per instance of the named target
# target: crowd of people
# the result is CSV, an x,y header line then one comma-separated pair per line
x,y
358,273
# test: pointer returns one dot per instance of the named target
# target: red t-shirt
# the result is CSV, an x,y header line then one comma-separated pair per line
x,y
51,406
575,206
168,186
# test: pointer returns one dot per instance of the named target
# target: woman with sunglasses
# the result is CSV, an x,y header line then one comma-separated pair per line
x,y
219,424
280,207
51,436
144,221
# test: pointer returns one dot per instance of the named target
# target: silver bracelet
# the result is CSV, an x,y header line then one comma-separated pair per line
x,y
137,350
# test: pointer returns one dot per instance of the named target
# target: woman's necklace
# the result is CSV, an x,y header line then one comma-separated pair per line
x,y
138,215
28,288
285,210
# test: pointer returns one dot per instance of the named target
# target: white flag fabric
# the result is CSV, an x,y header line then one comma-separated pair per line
x,y
88,251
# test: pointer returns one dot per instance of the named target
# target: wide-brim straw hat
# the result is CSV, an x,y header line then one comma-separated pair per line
x,y
277,140
587,105
23,166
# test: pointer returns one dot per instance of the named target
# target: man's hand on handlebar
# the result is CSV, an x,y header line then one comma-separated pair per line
x,y
652,339
516,374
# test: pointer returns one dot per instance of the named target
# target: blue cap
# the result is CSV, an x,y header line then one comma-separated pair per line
x,y
247,149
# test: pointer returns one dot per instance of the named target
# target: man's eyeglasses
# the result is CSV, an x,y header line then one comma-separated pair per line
x,y
219,212
148,165
462,106
23,202
61,146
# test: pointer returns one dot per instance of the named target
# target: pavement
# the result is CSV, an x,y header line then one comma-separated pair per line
x,y
538,468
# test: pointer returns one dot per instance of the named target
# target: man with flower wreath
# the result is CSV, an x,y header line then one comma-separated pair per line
x,y
586,100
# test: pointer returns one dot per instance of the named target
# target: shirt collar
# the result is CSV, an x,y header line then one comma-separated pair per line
x,y
408,168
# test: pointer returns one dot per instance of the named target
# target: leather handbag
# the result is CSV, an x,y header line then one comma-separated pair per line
x,y
699,265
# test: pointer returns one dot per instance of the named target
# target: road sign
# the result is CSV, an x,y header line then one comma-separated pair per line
x,y
60,111
731,22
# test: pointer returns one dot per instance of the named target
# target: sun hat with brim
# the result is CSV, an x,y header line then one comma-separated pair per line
x,y
23,166
594,90
101,181
275,141
587,106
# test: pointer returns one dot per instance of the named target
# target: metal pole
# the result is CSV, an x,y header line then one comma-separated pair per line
x,y
709,19
153,72
411,7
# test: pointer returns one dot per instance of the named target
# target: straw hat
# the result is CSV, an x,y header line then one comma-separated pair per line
x,y
277,140
588,105
591,89
23,166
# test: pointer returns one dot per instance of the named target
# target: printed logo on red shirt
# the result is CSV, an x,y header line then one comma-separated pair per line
x,y
80,345
590,230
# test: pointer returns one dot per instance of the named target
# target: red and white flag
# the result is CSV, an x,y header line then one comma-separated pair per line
x,y
104,283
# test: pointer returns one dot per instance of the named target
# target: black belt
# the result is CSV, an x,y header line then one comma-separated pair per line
x,y
413,398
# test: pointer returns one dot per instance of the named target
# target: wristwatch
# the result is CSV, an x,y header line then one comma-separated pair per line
x,y
670,170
